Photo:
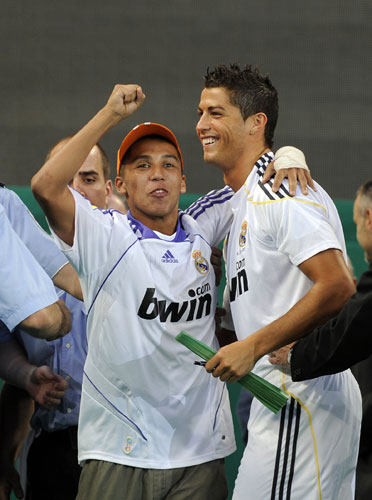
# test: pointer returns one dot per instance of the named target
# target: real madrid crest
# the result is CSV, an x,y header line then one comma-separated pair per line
x,y
243,232
200,262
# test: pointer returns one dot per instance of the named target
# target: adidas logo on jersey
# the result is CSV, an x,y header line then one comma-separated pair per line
x,y
168,258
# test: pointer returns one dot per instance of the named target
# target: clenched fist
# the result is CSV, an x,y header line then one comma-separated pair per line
x,y
125,100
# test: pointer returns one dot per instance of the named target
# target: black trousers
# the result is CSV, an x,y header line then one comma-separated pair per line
x,y
53,471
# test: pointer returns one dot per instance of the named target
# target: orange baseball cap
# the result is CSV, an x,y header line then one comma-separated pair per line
x,y
143,130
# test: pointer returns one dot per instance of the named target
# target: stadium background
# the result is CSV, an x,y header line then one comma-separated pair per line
x,y
60,60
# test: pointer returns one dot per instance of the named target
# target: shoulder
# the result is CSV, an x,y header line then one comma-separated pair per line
x,y
263,196
8,198
212,200
85,211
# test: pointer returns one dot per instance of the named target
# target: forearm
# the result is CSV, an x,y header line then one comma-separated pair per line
x,y
68,280
322,302
14,365
49,323
58,171
16,409
338,344
50,184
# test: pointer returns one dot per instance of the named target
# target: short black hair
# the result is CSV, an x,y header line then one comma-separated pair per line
x,y
250,90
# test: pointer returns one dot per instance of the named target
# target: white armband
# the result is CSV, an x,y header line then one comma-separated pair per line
x,y
289,157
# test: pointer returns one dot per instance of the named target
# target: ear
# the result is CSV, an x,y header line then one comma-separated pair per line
x,y
257,123
183,185
368,219
260,120
109,188
121,187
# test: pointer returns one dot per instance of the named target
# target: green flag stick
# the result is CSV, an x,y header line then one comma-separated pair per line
x,y
268,394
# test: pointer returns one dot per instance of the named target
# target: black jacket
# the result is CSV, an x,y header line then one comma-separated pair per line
x,y
343,341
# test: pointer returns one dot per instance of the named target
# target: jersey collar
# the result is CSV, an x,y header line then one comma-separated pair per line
x,y
145,232
258,169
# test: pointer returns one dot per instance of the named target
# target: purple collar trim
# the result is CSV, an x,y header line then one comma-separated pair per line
x,y
148,233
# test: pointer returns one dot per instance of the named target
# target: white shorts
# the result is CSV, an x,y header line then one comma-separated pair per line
x,y
309,450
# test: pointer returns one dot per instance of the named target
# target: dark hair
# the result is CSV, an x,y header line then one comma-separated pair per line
x,y
365,193
105,161
250,90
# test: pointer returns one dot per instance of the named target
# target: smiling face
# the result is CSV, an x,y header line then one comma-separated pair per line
x,y
221,128
152,181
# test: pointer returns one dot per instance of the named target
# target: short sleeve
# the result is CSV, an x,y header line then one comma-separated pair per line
x,y
91,246
25,287
299,228
39,243
213,214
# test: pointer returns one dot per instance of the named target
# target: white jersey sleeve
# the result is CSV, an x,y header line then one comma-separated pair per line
x,y
213,213
39,243
91,244
299,227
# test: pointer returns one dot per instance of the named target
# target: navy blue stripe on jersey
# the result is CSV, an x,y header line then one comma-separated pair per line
x,y
286,449
261,165
110,211
263,162
109,274
281,187
294,447
278,450
264,189
216,197
116,408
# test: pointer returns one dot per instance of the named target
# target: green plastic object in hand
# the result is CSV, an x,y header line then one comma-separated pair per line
x,y
268,394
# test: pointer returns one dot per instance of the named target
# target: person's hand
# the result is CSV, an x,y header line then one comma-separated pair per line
x,y
46,387
295,175
9,481
232,361
125,100
216,261
280,356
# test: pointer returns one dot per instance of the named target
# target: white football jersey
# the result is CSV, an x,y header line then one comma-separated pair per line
x,y
144,402
291,454
272,234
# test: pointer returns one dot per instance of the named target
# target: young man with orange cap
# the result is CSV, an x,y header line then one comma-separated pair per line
x,y
151,423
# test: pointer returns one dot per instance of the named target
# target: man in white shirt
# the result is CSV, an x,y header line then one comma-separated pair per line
x,y
286,273
151,423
